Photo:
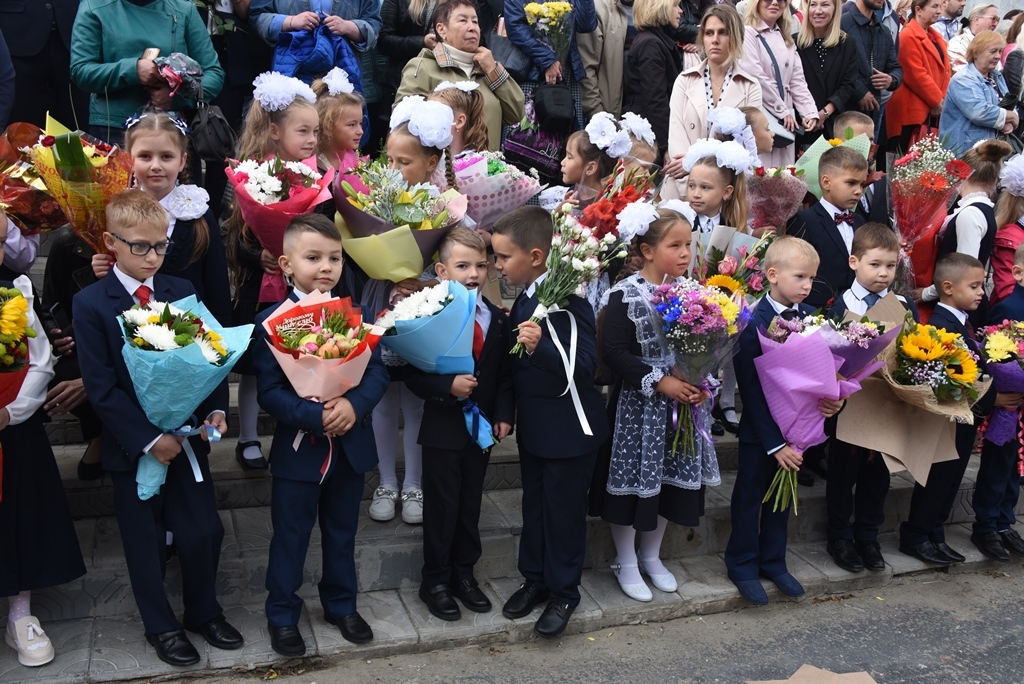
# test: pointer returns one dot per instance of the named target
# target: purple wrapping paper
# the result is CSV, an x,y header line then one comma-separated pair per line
x,y
856,359
1006,377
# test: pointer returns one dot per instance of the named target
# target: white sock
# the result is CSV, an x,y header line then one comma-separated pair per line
x,y
624,537
650,548
730,415
248,415
19,607
412,414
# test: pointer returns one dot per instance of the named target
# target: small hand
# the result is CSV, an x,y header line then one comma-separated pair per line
x,y
484,60
674,167
463,386
674,388
219,421
341,419
529,335
691,48
269,263
918,294
62,346
5,418
1009,400
430,41
101,264
830,407
812,124
788,458
166,448
409,286
64,397
553,73
502,430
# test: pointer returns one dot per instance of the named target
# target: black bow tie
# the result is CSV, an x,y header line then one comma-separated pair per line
x,y
789,314
844,217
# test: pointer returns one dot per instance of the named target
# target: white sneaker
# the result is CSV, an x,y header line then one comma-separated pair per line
x,y
412,505
661,578
30,641
383,507
638,592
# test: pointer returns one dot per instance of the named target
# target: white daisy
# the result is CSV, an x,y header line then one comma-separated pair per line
x,y
158,337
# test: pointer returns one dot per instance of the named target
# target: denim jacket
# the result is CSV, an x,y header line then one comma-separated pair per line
x,y
267,17
972,111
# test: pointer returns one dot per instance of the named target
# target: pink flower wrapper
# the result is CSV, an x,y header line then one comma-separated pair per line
x,y
774,199
492,196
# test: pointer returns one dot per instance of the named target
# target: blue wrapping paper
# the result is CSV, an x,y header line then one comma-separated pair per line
x,y
442,343
477,424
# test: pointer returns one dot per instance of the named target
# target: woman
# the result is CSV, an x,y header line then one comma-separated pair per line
x,y
653,64
982,17
1013,70
717,81
769,55
1012,36
405,29
829,59
971,111
926,76
458,56
601,52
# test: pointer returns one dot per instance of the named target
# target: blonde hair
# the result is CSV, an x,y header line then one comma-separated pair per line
x,y
1009,209
134,209
449,168
735,211
981,42
156,123
477,135
330,108
460,236
805,35
648,14
787,249
643,151
752,17
728,15
417,8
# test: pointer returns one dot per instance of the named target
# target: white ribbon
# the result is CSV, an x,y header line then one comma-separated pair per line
x,y
213,435
542,313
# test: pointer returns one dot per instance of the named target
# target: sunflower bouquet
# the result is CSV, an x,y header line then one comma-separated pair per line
x,y
552,23
14,335
740,271
1003,350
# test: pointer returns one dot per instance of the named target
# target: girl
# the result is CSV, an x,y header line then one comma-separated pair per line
x,y
642,487
40,547
340,109
764,137
1010,219
283,121
470,133
718,195
585,167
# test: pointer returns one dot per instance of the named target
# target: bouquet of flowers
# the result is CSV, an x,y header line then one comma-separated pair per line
x,y
935,370
393,230
1004,351
700,326
552,22
738,271
322,344
165,342
775,195
808,163
625,187
81,173
493,187
23,195
14,352
270,193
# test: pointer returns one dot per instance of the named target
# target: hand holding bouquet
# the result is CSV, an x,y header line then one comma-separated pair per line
x,y
775,194
552,23
1004,351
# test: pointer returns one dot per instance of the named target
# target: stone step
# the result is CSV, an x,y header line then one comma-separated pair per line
x,y
389,555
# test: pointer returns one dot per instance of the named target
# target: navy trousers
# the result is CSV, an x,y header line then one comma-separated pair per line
x,y
930,506
998,487
757,545
851,467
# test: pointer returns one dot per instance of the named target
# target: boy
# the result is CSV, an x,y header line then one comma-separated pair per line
x,y
854,547
454,465
997,488
757,545
318,458
137,237
874,203
960,280
556,455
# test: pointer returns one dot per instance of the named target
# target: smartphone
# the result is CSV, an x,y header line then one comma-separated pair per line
x,y
61,320
151,53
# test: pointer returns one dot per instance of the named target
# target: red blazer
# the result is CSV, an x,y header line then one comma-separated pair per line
x,y
926,75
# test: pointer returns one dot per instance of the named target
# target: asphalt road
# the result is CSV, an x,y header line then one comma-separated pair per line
x,y
925,629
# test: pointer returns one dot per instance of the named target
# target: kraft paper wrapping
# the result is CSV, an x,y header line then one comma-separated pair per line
x,y
886,310
808,674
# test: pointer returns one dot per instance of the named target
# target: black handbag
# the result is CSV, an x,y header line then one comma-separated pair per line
x,y
515,61
212,137
555,108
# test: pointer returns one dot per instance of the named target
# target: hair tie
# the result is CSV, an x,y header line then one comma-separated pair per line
x,y
638,127
729,154
337,82
464,86
607,137
275,91
429,121
403,110
636,219
178,122
732,122
1012,176
680,207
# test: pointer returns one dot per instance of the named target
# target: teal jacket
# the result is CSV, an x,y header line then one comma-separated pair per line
x,y
108,39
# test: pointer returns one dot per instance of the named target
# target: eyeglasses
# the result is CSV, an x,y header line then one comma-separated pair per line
x,y
769,3
142,248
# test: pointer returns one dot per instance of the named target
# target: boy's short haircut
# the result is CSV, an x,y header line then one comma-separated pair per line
x,y
849,119
953,268
460,236
874,236
1018,255
841,159
310,223
785,250
527,227
135,209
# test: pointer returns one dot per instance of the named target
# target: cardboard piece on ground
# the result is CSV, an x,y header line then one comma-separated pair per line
x,y
808,674
909,438
888,309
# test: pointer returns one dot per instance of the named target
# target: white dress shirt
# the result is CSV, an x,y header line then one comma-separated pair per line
x,y
960,315
855,296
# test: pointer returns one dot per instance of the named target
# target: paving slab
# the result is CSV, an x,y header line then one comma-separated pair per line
x,y
816,555
603,587
587,616
472,628
71,641
387,616
120,651
251,621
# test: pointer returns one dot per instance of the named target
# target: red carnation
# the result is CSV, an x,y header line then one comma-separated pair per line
x,y
48,141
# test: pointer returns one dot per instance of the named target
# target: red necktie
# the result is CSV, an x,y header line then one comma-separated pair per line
x,y
845,217
478,339
143,294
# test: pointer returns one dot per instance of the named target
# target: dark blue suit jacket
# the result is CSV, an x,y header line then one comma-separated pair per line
x,y
756,424
98,333
834,273
295,414
1009,309
547,422
944,318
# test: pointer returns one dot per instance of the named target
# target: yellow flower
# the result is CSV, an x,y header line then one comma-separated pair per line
x,y
999,347
13,317
921,346
724,282
962,368
138,342
213,336
944,337
154,319
835,142
218,347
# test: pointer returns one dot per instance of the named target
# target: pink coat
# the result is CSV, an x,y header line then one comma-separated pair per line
x,y
758,63
688,112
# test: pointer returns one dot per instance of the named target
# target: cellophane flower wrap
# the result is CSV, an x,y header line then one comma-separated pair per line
x,y
82,174
552,24
700,326
392,230
736,270
493,187
1003,349
809,160
433,329
775,195
322,344
270,193
23,194
14,354
165,343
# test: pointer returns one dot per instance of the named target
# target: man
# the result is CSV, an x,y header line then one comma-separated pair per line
x,y
948,24
877,66
980,18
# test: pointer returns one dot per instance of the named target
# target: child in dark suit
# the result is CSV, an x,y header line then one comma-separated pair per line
x,y
757,545
556,453
960,280
454,465
318,458
855,546
997,487
137,236
874,203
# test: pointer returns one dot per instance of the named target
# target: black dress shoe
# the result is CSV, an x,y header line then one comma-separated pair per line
x,y
718,413
249,463
524,600
1012,542
871,553
440,603
949,553
219,633
174,648
926,552
468,591
804,478
845,555
554,619
287,641
88,472
353,627
717,430
991,545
